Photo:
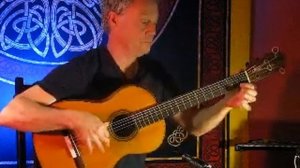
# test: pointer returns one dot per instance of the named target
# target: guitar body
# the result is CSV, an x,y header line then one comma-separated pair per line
x,y
52,150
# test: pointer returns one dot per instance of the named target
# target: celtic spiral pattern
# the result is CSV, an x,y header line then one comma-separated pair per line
x,y
177,137
48,29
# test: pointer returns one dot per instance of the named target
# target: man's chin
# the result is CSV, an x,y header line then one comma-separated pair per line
x,y
145,51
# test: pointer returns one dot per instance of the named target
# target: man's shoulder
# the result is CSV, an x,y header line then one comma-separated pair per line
x,y
93,55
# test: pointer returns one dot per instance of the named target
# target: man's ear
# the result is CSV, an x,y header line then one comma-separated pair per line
x,y
112,19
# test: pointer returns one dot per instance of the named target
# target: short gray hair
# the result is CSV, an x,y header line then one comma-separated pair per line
x,y
117,6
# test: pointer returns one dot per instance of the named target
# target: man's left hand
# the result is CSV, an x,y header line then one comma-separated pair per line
x,y
246,95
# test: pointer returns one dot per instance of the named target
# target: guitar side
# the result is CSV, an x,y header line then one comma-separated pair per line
x,y
52,151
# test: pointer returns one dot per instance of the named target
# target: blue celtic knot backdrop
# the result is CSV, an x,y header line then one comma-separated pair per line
x,y
44,34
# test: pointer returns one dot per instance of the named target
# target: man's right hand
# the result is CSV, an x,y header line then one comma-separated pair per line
x,y
90,130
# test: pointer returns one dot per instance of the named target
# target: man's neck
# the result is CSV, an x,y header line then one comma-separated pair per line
x,y
121,56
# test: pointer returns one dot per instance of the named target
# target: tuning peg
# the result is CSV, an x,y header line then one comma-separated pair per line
x,y
275,50
282,71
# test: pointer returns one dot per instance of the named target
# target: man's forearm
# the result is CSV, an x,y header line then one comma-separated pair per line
x,y
27,115
207,119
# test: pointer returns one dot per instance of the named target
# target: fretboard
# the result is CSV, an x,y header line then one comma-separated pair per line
x,y
183,102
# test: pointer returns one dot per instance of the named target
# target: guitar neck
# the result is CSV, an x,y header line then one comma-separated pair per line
x,y
191,99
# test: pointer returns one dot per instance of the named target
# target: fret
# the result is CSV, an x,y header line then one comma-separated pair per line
x,y
185,107
166,107
151,115
203,94
177,105
211,91
206,92
160,111
140,119
226,82
220,89
232,80
190,101
236,80
173,111
156,117
197,98
147,118
241,77
136,122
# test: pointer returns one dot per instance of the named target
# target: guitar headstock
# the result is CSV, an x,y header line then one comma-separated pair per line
x,y
268,64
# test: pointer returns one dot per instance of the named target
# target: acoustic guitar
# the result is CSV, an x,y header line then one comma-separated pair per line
x,y
136,120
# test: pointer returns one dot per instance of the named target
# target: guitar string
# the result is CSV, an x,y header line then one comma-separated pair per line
x,y
190,100
228,78
140,116
144,115
149,112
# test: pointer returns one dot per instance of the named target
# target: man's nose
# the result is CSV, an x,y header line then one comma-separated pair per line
x,y
151,29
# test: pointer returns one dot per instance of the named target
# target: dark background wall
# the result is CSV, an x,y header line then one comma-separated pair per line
x,y
176,48
276,114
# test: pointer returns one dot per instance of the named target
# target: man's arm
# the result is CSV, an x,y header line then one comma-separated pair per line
x,y
200,122
30,111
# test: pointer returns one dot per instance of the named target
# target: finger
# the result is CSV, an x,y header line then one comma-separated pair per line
x,y
90,145
98,142
251,92
247,86
246,105
105,140
249,98
104,134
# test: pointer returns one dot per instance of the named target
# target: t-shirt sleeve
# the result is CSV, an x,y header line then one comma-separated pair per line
x,y
72,78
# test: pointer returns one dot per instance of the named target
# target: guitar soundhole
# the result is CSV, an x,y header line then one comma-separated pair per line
x,y
123,127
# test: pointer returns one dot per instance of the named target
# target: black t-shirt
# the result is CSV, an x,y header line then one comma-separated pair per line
x,y
95,75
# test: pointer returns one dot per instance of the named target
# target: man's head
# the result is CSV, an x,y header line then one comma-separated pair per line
x,y
117,6
132,23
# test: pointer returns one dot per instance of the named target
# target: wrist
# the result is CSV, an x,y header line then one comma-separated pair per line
x,y
69,119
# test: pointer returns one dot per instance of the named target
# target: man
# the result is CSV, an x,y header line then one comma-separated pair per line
x,y
131,27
